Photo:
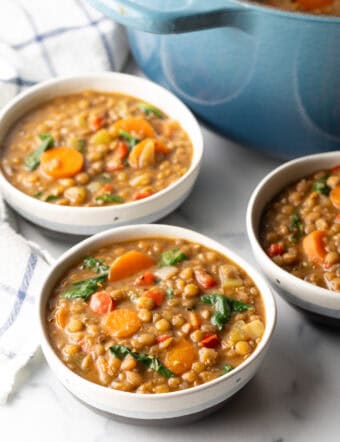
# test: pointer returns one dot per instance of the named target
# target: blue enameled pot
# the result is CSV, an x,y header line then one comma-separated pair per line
x,y
264,77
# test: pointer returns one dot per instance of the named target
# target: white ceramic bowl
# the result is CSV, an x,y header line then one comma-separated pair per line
x,y
89,220
153,407
311,298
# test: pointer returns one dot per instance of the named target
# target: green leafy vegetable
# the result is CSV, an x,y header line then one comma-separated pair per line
x,y
227,368
85,288
132,141
320,185
169,293
109,198
171,257
33,159
52,197
37,194
296,226
95,265
149,109
224,307
120,351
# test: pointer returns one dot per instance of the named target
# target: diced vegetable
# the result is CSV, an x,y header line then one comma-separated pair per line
x,y
227,368
169,293
254,329
101,303
149,109
135,125
314,247
101,137
122,323
62,162
122,150
157,294
222,309
120,351
142,154
141,195
334,196
97,265
194,320
171,257
61,317
166,272
96,122
37,194
33,159
204,279
224,306
128,264
180,356
51,198
210,341
162,338
84,288
229,277
148,278
109,198
275,250
132,141
321,186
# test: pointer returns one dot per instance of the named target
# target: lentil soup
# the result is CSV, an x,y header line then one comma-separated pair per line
x,y
300,229
154,316
325,7
94,149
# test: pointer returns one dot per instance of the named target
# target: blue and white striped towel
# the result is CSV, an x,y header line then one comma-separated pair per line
x,y
40,39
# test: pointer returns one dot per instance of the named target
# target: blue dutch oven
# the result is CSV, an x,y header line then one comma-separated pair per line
x,y
264,77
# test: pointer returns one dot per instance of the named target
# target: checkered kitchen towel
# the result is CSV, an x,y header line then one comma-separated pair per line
x,y
40,39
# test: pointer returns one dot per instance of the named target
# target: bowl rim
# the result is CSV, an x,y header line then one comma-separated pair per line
x,y
162,231
197,147
301,284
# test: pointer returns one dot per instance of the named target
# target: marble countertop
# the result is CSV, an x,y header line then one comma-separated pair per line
x,y
293,398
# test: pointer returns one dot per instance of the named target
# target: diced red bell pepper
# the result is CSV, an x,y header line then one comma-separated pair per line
x,y
204,279
96,122
147,278
122,150
157,294
141,195
162,338
210,341
275,250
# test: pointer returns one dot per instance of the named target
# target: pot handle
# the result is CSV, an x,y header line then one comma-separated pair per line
x,y
146,19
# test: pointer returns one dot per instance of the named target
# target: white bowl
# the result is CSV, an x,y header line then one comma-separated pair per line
x,y
311,298
153,407
89,220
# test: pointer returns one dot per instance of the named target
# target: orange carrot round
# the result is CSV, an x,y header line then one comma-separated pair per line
x,y
136,125
128,264
122,323
61,162
314,247
180,356
335,197
142,154
101,303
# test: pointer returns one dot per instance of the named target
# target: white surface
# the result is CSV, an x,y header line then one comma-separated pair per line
x,y
294,397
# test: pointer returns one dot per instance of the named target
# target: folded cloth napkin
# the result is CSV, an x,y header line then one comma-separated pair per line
x,y
40,39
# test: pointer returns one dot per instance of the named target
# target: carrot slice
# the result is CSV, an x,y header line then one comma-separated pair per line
x,y
335,197
204,279
156,294
138,125
181,356
141,195
309,5
122,323
128,264
314,247
161,147
101,303
210,341
142,154
61,317
62,162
